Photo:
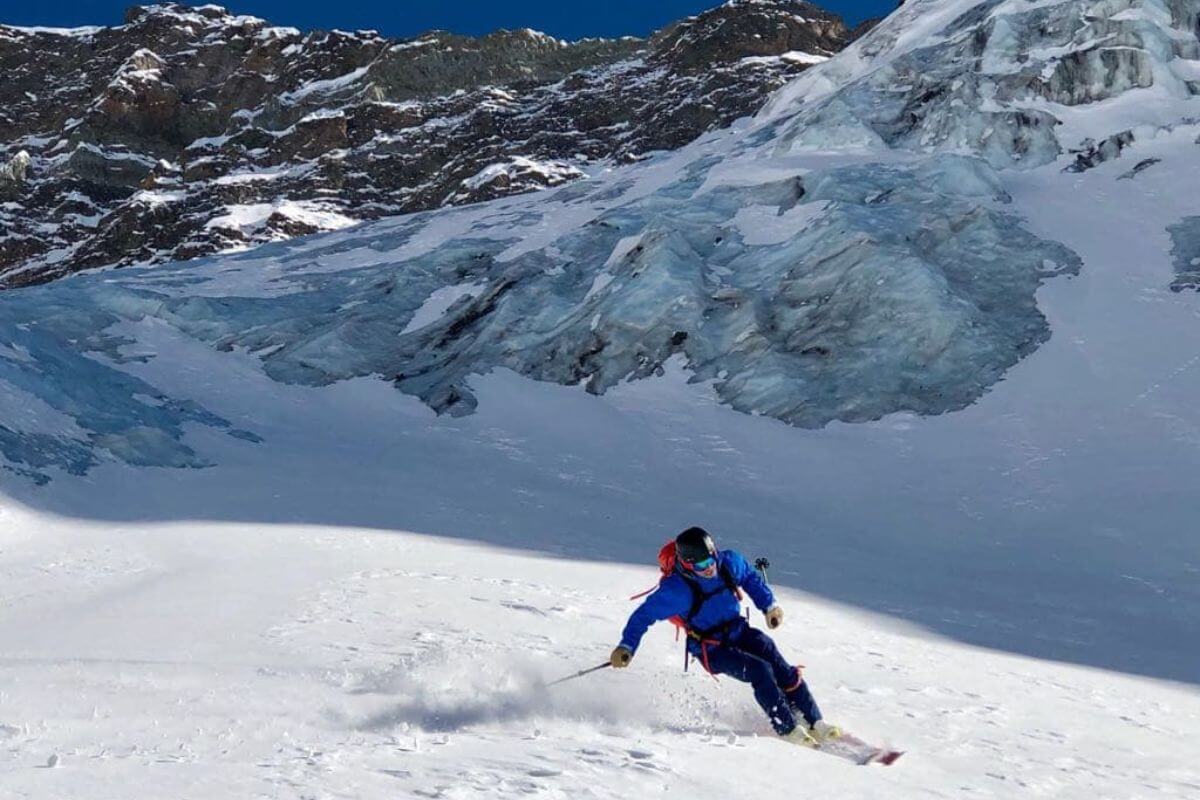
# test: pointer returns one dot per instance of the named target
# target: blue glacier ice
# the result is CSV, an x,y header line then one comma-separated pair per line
x,y
1185,240
905,287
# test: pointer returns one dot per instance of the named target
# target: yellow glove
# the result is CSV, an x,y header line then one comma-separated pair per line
x,y
774,616
621,657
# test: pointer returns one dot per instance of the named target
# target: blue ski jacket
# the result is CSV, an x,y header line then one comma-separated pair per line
x,y
673,597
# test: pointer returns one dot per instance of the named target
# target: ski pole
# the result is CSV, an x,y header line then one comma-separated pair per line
x,y
581,673
761,564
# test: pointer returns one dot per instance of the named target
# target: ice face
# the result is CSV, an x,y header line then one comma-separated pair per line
x,y
844,294
1185,250
1091,154
906,288
988,80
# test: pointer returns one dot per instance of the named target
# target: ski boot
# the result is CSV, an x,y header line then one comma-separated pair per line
x,y
802,736
822,731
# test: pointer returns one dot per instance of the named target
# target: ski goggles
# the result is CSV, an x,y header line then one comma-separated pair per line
x,y
703,565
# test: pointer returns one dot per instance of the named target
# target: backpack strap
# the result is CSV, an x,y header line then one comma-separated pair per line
x,y
700,597
730,583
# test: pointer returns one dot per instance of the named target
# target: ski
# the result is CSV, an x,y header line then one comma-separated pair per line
x,y
853,749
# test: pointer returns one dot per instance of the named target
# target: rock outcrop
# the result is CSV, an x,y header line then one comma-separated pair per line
x,y
165,138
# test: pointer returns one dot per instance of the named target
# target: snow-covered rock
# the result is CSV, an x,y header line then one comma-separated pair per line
x,y
516,174
183,100
15,170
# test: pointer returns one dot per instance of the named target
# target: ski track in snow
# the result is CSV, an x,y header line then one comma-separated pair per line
x,y
211,660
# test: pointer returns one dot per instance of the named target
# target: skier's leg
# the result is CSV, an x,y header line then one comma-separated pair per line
x,y
726,660
802,700
758,644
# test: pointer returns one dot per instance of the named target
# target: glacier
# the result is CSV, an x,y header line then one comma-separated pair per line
x,y
897,277
909,287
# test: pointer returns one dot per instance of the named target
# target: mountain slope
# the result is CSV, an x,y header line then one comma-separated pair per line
x,y
190,131
214,661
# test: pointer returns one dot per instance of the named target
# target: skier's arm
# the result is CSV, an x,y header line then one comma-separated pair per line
x,y
668,600
749,579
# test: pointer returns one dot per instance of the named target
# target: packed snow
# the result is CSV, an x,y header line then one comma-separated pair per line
x,y
519,170
439,302
794,56
81,32
228,660
324,86
249,217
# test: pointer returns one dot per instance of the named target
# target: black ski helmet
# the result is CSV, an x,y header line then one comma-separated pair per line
x,y
694,545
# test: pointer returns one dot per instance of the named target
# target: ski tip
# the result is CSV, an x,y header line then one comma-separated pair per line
x,y
889,758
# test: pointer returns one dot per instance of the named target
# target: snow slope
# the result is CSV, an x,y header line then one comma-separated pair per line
x,y
199,660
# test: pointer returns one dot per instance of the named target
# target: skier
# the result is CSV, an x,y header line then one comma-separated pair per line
x,y
701,593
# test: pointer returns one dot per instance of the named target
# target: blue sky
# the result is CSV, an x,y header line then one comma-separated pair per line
x,y
407,17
